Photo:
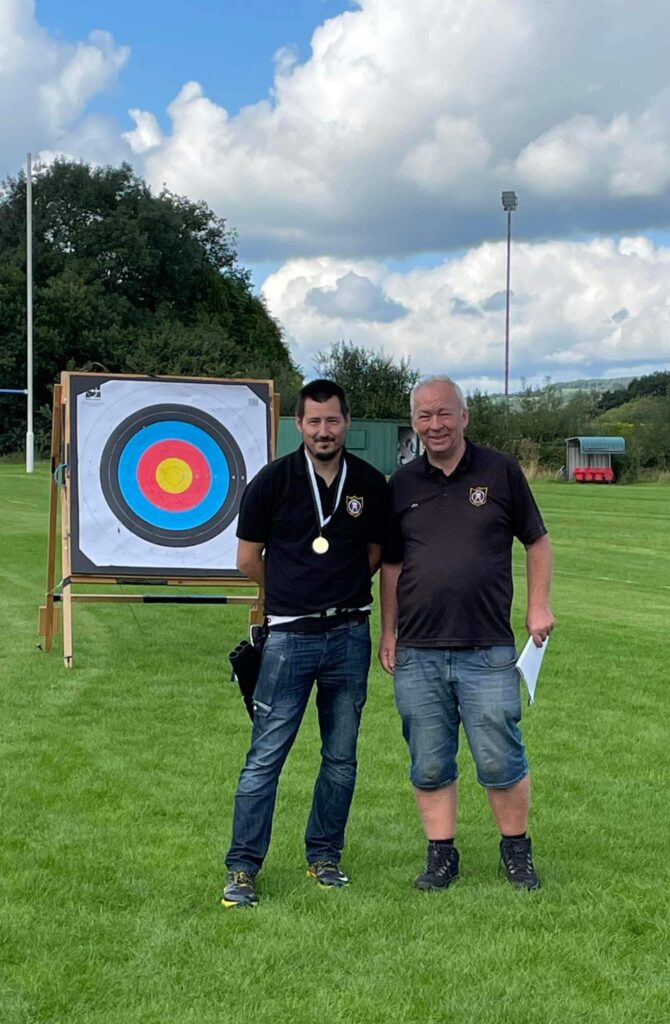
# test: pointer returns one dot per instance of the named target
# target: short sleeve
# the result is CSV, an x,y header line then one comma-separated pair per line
x,y
527,523
256,506
392,550
378,521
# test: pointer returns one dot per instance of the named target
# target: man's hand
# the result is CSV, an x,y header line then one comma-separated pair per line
x,y
539,623
387,652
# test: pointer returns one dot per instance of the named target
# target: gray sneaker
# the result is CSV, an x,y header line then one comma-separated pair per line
x,y
239,890
328,874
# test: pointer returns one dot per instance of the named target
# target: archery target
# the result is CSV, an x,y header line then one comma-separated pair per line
x,y
161,467
173,475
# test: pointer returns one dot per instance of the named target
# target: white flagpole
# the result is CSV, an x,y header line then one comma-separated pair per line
x,y
30,436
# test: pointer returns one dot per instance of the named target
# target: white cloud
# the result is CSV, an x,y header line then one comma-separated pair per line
x,y
398,132
77,76
395,137
94,138
146,135
565,310
285,59
355,297
45,86
625,158
455,148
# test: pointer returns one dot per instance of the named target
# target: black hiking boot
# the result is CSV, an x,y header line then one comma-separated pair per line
x,y
441,867
516,858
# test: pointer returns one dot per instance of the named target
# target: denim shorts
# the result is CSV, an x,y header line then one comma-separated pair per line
x,y
436,689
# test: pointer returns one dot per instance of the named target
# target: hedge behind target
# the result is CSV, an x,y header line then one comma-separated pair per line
x,y
157,467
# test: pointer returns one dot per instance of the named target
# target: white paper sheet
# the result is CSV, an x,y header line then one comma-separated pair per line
x,y
529,663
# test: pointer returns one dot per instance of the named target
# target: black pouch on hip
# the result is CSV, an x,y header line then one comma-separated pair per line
x,y
245,660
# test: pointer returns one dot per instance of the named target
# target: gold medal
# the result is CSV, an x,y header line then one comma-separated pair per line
x,y
320,545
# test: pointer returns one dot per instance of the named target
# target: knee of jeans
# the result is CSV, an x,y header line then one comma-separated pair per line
x,y
494,772
432,774
253,783
262,768
342,773
500,767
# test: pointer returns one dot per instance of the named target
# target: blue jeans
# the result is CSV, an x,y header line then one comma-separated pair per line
x,y
338,661
436,689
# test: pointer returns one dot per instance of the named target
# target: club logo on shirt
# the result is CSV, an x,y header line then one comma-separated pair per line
x,y
478,496
354,506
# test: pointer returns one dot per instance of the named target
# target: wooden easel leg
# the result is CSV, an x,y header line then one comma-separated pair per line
x,y
66,564
50,620
49,623
67,624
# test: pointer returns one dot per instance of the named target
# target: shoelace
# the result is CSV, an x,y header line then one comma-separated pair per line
x,y
439,861
517,856
241,878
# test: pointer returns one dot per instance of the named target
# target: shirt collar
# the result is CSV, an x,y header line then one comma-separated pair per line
x,y
464,464
298,461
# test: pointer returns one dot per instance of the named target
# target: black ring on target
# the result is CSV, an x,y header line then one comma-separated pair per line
x,y
196,431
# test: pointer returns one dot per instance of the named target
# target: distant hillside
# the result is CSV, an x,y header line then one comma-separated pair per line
x,y
566,388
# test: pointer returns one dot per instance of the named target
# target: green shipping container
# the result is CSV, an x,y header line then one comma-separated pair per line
x,y
383,443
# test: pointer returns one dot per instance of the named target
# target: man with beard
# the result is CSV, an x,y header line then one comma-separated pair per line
x,y
310,531
446,634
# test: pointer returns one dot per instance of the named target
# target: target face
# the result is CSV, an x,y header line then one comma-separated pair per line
x,y
158,468
173,475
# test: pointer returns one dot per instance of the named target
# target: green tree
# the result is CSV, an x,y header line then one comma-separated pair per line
x,y
489,420
653,385
376,386
534,425
129,281
645,423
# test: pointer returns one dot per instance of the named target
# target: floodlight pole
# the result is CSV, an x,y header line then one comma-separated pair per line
x,y
509,255
30,436
510,203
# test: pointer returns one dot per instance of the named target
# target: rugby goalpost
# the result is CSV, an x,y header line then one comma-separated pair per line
x,y
147,474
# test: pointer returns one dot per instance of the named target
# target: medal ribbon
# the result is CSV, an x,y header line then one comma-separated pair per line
x,y
316,497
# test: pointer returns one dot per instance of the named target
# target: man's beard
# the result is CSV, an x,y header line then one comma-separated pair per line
x,y
325,456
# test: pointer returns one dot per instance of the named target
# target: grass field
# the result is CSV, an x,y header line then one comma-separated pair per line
x,y
117,786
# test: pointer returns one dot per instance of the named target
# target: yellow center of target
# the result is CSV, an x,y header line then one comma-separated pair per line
x,y
174,476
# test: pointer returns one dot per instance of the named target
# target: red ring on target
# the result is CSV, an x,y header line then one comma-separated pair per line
x,y
149,476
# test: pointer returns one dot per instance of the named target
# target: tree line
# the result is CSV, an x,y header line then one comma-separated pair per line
x,y
534,424
126,282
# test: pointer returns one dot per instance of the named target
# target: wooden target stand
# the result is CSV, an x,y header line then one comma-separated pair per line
x,y
57,610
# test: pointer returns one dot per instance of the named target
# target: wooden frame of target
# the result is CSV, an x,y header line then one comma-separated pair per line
x,y
151,471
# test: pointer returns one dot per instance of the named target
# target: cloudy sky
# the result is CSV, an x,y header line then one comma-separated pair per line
x,y
360,149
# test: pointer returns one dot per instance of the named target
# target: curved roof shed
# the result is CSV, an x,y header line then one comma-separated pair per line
x,y
591,452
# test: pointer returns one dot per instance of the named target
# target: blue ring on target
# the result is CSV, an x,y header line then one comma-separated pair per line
x,y
173,430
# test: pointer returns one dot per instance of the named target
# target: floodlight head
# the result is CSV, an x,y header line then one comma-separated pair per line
x,y
509,201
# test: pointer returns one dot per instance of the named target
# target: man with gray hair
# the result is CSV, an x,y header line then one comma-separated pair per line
x,y
446,593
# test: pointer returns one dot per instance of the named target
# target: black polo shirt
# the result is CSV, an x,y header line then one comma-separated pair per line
x,y
454,536
277,510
